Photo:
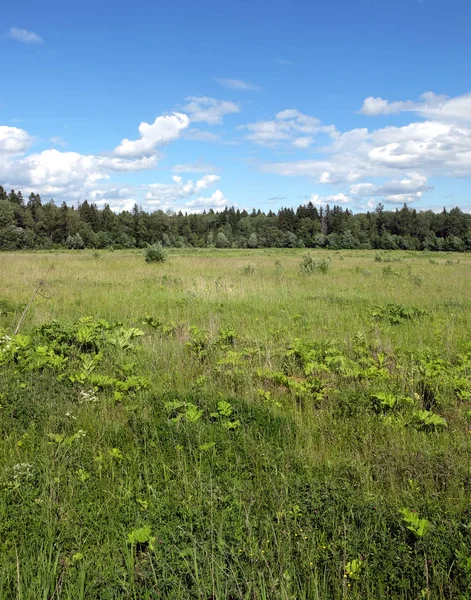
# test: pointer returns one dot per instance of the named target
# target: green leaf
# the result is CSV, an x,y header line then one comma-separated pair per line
x,y
224,408
193,414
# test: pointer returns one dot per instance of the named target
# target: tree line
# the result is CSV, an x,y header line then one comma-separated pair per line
x,y
33,224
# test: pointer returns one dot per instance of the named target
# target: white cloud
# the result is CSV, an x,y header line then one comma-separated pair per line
x,y
166,194
285,128
303,142
438,146
430,106
14,140
22,35
209,110
332,199
118,199
163,130
237,84
71,176
377,106
408,189
217,200
65,175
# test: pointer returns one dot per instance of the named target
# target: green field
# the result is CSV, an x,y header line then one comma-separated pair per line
x,y
227,426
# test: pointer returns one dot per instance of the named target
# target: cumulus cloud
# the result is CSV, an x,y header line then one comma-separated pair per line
x,y
237,84
65,175
408,189
333,199
168,193
285,128
373,107
163,130
209,110
405,158
14,140
52,171
430,106
217,200
25,36
72,176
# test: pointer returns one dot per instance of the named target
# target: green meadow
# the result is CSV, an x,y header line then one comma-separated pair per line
x,y
235,424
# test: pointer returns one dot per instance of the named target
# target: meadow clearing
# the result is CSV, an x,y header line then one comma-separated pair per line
x,y
230,425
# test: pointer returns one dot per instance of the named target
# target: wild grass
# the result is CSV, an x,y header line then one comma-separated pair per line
x,y
270,435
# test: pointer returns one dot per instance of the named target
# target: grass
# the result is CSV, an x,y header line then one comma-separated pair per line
x,y
273,434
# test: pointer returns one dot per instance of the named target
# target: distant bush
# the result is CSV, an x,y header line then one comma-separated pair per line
x,y
248,269
309,264
155,253
75,242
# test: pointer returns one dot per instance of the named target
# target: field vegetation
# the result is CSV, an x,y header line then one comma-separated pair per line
x,y
235,424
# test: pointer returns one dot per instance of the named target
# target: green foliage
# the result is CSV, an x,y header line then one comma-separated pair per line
x,y
396,314
75,242
428,421
384,402
155,253
141,536
419,527
309,265
33,224
353,569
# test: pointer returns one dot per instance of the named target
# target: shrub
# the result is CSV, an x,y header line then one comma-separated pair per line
x,y
155,253
309,265
248,269
75,242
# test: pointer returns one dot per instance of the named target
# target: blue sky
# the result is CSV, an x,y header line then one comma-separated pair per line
x,y
191,105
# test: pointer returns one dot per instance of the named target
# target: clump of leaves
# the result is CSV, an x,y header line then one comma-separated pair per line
x,y
227,337
141,537
396,313
428,421
155,253
384,402
353,569
199,342
149,320
414,523
179,410
224,412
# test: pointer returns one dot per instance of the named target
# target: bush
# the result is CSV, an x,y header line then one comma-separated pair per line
x,y
248,269
155,253
309,265
75,242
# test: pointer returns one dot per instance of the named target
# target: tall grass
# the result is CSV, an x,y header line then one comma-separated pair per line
x,y
303,470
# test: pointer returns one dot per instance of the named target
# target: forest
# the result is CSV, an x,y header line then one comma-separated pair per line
x,y
34,224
